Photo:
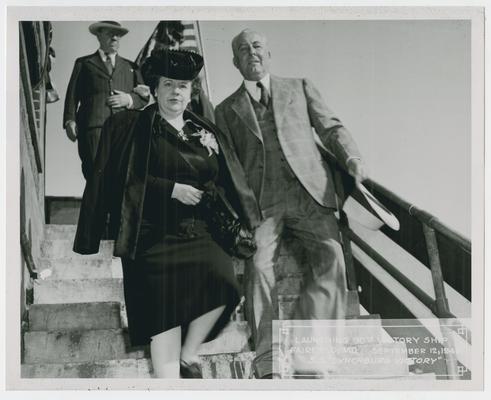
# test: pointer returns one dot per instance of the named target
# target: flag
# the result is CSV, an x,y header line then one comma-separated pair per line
x,y
182,35
190,40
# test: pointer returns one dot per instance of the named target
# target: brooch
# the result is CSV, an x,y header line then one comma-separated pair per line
x,y
181,135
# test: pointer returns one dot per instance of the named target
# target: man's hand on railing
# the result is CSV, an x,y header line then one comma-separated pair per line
x,y
71,130
357,169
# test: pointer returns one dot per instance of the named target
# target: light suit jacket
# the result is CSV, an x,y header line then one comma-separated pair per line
x,y
298,107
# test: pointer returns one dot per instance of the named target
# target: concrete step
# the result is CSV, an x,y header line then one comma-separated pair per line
x,y
81,268
64,291
227,366
75,316
62,210
234,338
62,248
223,366
57,232
78,346
66,287
81,345
124,369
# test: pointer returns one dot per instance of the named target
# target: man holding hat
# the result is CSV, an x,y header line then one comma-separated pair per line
x,y
269,121
101,84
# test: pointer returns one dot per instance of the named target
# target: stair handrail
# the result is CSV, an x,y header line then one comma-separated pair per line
x,y
25,245
423,216
439,306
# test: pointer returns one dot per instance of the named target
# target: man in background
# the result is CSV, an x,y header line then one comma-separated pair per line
x,y
269,122
101,84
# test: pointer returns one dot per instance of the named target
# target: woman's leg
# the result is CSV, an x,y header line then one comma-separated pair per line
x,y
165,349
198,330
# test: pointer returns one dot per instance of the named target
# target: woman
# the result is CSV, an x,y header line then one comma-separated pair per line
x,y
151,170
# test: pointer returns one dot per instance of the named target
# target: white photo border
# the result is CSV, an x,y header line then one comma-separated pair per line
x,y
15,14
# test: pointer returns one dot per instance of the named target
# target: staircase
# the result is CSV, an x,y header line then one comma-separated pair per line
x,y
78,327
77,324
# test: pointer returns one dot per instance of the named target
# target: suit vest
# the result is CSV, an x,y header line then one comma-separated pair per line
x,y
277,175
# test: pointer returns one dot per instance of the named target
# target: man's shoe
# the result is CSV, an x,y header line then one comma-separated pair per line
x,y
190,371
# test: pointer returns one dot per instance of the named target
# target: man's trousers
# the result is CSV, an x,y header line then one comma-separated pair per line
x,y
88,141
324,293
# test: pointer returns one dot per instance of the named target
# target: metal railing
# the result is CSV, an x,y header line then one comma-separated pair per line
x,y
431,226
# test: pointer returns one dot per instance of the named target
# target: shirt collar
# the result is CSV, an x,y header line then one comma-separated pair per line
x,y
112,56
254,91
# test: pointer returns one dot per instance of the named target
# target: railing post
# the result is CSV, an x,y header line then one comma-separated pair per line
x,y
441,301
348,255
344,229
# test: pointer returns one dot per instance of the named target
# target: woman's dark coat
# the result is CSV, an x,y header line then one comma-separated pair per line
x,y
118,184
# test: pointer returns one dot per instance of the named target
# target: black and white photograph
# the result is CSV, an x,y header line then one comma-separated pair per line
x,y
244,198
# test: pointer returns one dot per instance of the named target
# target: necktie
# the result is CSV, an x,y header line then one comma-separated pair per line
x,y
264,95
108,63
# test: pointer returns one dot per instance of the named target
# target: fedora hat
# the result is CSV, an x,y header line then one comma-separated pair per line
x,y
369,211
112,25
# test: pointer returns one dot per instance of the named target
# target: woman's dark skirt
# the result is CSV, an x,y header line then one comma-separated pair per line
x,y
174,279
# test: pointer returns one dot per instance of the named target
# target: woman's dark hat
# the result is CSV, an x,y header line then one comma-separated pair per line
x,y
112,25
175,64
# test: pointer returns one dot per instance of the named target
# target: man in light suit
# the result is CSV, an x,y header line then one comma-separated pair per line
x,y
100,85
269,122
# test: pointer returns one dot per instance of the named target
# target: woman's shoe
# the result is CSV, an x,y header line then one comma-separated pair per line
x,y
190,371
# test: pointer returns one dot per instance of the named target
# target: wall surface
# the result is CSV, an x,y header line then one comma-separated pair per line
x,y
31,200
401,87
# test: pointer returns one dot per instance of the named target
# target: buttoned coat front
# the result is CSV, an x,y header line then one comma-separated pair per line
x,y
299,110
91,84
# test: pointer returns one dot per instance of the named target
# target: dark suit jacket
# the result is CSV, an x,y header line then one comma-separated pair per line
x,y
298,109
119,182
90,85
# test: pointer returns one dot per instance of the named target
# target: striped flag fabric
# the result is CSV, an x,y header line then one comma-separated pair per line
x,y
190,40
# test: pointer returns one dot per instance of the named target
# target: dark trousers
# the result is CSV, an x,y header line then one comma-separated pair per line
x,y
88,140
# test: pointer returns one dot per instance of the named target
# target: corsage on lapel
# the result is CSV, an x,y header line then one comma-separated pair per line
x,y
206,138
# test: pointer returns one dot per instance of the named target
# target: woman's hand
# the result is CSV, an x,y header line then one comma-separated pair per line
x,y
186,194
